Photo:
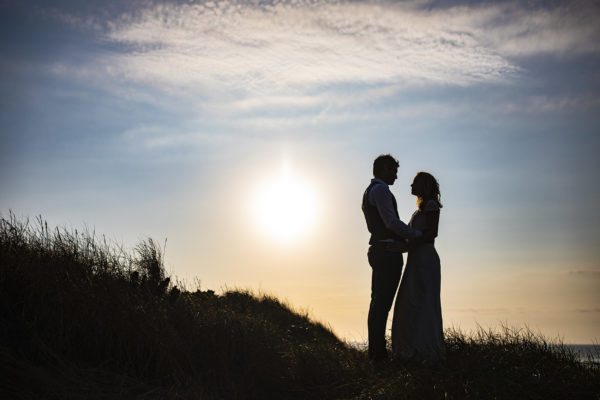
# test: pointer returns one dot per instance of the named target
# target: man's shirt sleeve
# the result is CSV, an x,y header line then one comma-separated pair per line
x,y
381,197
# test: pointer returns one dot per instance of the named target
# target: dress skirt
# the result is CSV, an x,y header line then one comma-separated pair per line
x,y
417,330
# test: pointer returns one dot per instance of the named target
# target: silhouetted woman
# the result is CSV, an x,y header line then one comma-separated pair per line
x,y
417,332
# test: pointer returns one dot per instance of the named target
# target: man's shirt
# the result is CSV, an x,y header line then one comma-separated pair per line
x,y
380,196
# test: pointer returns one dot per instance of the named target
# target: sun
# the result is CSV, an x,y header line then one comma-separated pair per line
x,y
285,208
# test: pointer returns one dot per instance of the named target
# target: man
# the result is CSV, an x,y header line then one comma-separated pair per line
x,y
388,238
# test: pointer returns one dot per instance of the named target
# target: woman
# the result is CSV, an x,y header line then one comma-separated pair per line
x,y
417,331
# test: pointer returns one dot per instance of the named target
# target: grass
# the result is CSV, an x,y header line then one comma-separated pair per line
x,y
81,318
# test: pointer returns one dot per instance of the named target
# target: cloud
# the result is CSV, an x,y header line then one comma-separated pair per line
x,y
568,29
518,310
557,103
588,310
301,44
589,273
161,137
486,310
316,55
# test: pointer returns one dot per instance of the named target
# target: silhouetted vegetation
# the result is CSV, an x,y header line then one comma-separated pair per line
x,y
83,319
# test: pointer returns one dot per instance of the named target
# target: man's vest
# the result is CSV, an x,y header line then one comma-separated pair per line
x,y
374,222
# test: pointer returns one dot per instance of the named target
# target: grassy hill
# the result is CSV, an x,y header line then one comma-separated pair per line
x,y
83,319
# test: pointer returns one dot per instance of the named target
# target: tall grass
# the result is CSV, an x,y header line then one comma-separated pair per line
x,y
504,363
71,301
83,318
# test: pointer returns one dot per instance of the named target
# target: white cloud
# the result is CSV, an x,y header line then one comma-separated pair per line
x,y
569,29
240,56
153,137
296,45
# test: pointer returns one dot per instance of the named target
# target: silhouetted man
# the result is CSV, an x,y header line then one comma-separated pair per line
x,y
388,238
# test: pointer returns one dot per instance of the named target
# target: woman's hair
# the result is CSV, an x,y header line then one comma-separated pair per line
x,y
431,189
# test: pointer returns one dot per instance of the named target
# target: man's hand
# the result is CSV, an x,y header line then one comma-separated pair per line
x,y
397,246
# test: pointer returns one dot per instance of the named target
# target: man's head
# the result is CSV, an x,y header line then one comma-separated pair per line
x,y
385,167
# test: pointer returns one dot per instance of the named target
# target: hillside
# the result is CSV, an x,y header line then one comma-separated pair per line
x,y
83,319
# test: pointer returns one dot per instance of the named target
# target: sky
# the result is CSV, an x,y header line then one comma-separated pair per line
x,y
241,134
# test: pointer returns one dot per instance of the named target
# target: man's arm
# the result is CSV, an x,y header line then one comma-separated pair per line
x,y
381,197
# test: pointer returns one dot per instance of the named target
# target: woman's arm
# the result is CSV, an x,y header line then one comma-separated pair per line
x,y
433,220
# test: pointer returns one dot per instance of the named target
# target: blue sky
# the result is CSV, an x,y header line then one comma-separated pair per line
x,y
161,118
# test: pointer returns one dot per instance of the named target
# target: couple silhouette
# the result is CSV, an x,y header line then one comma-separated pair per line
x,y
417,332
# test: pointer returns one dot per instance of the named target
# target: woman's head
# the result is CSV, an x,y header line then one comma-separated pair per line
x,y
426,187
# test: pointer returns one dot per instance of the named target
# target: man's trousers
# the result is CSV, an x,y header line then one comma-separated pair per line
x,y
386,271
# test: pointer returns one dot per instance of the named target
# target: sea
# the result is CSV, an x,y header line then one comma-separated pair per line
x,y
587,353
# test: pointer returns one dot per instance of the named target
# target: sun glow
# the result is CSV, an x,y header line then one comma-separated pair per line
x,y
285,208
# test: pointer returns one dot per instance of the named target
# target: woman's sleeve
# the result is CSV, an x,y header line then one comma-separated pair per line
x,y
432,217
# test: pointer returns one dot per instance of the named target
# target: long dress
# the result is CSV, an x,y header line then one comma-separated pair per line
x,y
417,331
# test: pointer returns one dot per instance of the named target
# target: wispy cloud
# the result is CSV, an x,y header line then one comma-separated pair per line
x,y
492,311
518,310
316,57
557,103
588,310
568,29
161,137
589,273
300,44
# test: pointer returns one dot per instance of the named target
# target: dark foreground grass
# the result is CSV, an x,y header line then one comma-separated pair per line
x,y
82,319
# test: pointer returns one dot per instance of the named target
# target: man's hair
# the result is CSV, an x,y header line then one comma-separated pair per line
x,y
384,160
